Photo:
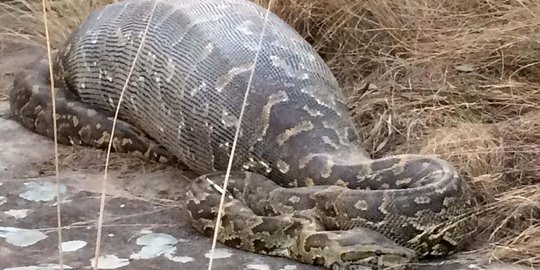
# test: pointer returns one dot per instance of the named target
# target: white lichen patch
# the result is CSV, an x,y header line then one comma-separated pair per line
x,y
21,237
179,259
41,191
157,244
3,200
219,253
254,266
110,262
17,213
71,246
146,231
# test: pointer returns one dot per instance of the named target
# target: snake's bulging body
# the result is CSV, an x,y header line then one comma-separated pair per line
x,y
301,185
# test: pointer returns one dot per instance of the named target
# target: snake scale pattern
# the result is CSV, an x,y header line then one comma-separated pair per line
x,y
301,186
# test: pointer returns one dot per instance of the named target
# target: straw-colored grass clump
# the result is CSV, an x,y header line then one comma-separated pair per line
x,y
459,79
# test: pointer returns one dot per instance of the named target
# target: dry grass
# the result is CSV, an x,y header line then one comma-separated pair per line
x,y
459,79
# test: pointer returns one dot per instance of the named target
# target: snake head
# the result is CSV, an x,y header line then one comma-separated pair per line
x,y
375,255
369,259
357,248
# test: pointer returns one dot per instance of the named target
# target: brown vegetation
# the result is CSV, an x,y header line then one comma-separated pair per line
x,y
459,79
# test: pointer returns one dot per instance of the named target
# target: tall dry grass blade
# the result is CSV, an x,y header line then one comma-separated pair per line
x,y
55,134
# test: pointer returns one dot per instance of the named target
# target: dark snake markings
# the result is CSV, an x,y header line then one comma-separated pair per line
x,y
301,186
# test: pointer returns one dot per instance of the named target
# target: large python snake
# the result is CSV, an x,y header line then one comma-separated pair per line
x,y
301,186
